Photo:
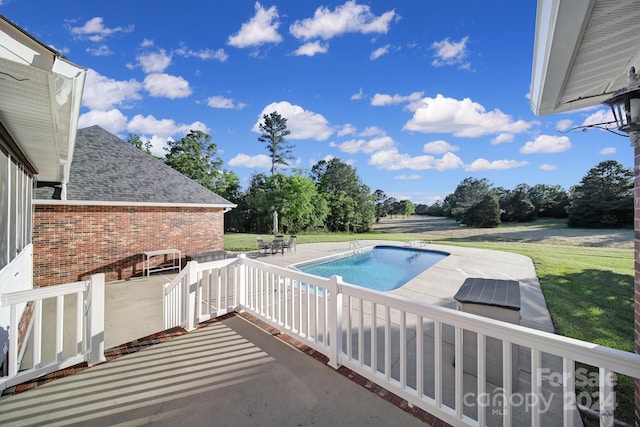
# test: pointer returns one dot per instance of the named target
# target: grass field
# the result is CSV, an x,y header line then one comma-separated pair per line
x,y
588,289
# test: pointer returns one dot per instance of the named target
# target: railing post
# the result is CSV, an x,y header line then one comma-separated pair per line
x,y
241,282
334,300
95,320
192,285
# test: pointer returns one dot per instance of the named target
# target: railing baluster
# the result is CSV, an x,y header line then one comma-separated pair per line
x,y
59,326
458,372
403,349
482,379
437,362
419,356
79,322
279,298
349,349
308,311
607,397
317,315
360,332
536,386
13,338
374,338
387,343
287,296
569,392
507,416
37,333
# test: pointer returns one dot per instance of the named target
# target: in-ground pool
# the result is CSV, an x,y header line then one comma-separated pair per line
x,y
381,268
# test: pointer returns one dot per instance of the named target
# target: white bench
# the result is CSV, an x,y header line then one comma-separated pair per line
x,y
417,243
172,263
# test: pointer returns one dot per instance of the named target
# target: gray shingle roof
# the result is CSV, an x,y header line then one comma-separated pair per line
x,y
107,169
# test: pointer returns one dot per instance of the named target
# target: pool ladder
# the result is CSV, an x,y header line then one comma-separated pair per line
x,y
354,246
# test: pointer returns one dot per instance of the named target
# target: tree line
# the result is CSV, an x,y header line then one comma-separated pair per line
x,y
602,199
332,197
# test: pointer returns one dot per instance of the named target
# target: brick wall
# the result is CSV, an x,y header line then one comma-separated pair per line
x,y
71,243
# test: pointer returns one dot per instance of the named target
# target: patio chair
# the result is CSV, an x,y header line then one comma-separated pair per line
x,y
262,246
291,244
277,245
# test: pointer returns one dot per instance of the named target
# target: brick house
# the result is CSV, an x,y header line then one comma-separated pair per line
x,y
118,203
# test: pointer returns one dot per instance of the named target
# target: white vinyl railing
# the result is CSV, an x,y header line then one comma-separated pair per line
x,y
436,358
86,336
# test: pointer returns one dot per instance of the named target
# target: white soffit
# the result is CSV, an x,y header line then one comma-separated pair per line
x,y
40,102
582,53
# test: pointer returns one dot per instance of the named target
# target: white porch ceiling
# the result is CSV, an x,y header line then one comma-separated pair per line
x,y
40,100
583,51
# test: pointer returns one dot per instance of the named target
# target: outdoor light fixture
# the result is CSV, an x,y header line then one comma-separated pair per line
x,y
625,105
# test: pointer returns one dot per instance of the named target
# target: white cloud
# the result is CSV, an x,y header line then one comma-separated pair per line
x,y
381,99
95,30
381,51
113,120
225,103
462,118
149,125
261,161
162,85
347,18
355,145
347,129
303,124
358,95
261,29
548,167
311,49
607,150
204,54
600,117
146,43
155,62
393,160
563,125
451,53
159,131
372,131
103,93
403,177
484,165
102,50
439,147
502,138
547,144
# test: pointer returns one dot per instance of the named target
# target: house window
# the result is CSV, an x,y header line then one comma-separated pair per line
x,y
15,210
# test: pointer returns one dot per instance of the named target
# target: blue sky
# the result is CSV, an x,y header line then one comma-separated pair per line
x,y
416,95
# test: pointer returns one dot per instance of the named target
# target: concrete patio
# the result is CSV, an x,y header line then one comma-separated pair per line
x,y
199,378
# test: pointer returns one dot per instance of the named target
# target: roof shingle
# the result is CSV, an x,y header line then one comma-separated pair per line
x,y
107,169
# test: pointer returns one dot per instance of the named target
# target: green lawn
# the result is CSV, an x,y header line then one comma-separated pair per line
x,y
589,290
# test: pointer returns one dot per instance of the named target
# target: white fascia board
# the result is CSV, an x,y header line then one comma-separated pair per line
x,y
66,105
559,28
226,206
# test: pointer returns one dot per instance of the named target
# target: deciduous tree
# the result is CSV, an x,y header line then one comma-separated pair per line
x,y
194,156
351,204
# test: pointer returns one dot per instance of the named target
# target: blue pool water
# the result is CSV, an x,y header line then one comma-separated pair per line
x,y
383,268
